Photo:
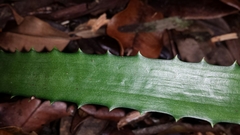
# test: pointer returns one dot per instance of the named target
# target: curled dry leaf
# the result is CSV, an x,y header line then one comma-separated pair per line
x,y
91,29
31,115
197,9
33,33
97,23
132,116
77,120
104,113
149,44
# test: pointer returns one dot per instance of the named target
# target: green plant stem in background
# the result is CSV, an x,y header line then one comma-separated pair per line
x,y
178,88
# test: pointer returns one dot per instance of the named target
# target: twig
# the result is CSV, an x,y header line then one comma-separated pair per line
x,y
224,37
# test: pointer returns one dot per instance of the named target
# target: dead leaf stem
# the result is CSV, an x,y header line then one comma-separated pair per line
x,y
224,37
159,25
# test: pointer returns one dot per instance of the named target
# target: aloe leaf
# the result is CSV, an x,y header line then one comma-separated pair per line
x,y
178,88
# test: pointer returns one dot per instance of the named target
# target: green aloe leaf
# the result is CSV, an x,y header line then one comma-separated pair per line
x,y
178,88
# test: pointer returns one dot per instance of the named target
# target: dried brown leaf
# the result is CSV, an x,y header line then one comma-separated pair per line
x,y
132,116
191,50
16,113
95,24
103,112
91,126
33,33
77,120
31,115
46,113
149,44
13,41
91,29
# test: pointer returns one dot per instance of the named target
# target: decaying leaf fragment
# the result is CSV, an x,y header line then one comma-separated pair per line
x,y
103,112
130,117
32,32
91,29
149,44
31,115
97,23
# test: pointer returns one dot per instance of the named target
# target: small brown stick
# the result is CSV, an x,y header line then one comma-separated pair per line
x,y
224,37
